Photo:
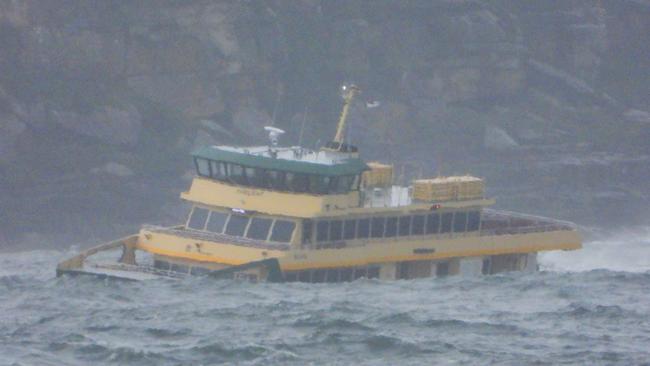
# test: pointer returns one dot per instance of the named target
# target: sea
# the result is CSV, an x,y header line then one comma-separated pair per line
x,y
588,307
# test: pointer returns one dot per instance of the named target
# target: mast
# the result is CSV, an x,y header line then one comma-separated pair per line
x,y
348,94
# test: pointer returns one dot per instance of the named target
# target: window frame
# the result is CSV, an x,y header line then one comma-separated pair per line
x,y
400,225
207,216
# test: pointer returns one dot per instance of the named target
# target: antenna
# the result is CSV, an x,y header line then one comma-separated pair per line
x,y
302,127
274,134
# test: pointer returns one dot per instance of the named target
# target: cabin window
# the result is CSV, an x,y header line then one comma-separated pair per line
x,y
202,167
377,228
433,221
216,221
460,222
346,274
445,226
318,275
343,184
363,228
218,170
473,221
259,228
404,226
276,180
236,225
355,183
181,268
236,174
199,271
319,184
297,182
360,272
322,230
282,231
162,265
391,227
256,177
197,219
417,227
349,229
307,226
336,227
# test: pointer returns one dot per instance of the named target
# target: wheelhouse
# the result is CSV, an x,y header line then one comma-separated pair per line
x,y
295,170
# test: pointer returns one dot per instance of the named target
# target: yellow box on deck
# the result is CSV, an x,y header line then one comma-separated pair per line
x,y
448,188
379,175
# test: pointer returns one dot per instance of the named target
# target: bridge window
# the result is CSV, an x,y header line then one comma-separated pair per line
x,y
216,221
445,226
259,228
417,227
282,231
297,182
236,225
236,174
197,218
202,167
377,228
276,180
473,221
363,228
256,177
391,227
404,226
433,221
319,184
218,170
322,230
349,229
460,222
343,183
336,227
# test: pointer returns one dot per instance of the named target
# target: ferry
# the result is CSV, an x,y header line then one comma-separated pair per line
x,y
288,213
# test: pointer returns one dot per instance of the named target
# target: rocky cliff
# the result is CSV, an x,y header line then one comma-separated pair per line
x,y
101,101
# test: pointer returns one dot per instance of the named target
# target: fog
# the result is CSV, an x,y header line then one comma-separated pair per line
x,y
101,102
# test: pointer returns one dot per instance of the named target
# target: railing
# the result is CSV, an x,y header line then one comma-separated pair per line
x,y
216,237
496,222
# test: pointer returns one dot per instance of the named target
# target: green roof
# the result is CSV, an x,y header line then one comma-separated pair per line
x,y
350,166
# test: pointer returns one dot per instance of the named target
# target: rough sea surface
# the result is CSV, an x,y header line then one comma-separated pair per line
x,y
590,307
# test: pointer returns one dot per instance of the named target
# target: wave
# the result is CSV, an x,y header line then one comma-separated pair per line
x,y
627,250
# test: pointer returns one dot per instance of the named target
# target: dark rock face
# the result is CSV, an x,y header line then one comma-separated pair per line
x,y
88,83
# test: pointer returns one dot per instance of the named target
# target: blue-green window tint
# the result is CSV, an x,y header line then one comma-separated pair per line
x,y
377,228
433,222
282,231
473,221
336,227
322,230
259,228
350,229
216,221
202,167
404,226
363,228
197,219
237,225
417,226
460,222
391,227
445,226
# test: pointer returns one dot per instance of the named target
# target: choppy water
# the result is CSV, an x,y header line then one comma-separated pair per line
x,y
588,307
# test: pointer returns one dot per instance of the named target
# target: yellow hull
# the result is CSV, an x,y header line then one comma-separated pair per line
x,y
203,252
